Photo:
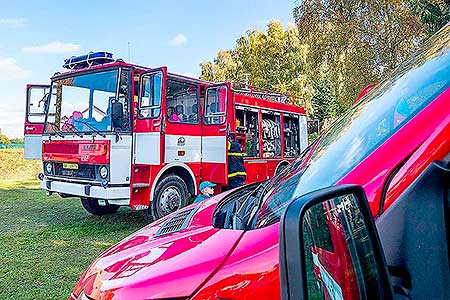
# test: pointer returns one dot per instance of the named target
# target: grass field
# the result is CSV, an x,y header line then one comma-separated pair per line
x,y
47,242
13,167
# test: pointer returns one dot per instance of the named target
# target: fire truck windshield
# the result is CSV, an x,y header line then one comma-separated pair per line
x,y
366,126
84,103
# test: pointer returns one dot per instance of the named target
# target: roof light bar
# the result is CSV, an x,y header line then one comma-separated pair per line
x,y
88,60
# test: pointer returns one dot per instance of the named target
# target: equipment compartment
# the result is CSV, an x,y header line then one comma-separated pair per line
x,y
291,135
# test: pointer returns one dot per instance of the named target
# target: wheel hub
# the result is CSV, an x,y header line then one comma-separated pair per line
x,y
170,200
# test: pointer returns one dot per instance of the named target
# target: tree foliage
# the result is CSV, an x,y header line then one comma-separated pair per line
x,y
335,49
3,138
324,101
433,13
275,59
360,40
17,141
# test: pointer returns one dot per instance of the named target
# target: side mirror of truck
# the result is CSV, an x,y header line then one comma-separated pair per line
x,y
329,248
117,115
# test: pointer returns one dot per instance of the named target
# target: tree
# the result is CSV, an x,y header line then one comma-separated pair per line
x,y
324,102
17,140
275,59
434,14
3,138
336,49
362,40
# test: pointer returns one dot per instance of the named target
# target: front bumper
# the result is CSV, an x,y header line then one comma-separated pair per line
x,y
114,195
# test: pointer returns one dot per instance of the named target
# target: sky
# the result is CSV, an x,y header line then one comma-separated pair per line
x,y
36,37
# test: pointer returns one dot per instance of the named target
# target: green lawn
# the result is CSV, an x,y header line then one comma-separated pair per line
x,y
47,242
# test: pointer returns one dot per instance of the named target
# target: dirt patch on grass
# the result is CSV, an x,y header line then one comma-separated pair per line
x,y
13,167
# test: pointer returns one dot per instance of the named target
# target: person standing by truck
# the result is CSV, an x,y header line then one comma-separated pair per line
x,y
236,169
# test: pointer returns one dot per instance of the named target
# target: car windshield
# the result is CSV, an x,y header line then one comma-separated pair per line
x,y
83,103
366,126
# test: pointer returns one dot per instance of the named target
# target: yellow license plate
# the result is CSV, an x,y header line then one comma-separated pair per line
x,y
70,166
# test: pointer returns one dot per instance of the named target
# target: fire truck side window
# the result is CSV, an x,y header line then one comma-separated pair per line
x,y
271,134
291,135
123,99
247,130
150,100
215,104
182,102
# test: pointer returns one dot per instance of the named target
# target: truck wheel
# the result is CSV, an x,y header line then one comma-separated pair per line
x,y
92,206
171,194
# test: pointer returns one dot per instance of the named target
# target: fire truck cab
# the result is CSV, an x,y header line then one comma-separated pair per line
x,y
117,134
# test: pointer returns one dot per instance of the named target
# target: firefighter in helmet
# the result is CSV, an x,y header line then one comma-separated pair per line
x,y
236,169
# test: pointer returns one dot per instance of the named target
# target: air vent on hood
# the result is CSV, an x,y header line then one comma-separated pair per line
x,y
177,222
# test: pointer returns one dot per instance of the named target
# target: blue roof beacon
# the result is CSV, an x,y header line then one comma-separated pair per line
x,y
88,60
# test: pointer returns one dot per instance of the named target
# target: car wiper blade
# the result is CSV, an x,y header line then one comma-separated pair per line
x,y
91,127
252,196
257,190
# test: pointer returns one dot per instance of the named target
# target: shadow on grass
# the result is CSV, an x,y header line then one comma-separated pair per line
x,y
47,242
24,209
28,184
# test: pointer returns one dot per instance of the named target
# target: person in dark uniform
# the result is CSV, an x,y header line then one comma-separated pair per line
x,y
236,169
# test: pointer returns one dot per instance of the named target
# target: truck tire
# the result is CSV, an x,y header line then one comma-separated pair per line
x,y
171,194
92,206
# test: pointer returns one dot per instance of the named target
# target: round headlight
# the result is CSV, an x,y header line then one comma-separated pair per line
x,y
49,168
103,171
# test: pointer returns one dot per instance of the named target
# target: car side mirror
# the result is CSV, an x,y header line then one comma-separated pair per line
x,y
329,248
117,115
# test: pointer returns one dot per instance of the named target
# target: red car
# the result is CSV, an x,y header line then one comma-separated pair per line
x,y
227,247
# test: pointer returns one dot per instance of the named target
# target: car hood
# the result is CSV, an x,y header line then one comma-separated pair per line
x,y
150,266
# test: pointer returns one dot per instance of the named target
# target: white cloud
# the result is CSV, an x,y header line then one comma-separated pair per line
x,y
179,39
13,23
53,47
9,70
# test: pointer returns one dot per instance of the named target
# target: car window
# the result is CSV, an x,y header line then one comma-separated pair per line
x,y
371,122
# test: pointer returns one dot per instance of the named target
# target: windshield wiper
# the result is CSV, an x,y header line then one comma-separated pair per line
x,y
260,191
91,127
74,129
56,130
251,202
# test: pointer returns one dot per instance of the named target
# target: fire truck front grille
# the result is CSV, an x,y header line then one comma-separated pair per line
x,y
177,222
83,171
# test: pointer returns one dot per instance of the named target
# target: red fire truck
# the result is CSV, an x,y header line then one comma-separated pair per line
x,y
117,134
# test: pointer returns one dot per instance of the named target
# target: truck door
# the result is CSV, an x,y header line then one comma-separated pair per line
x,y
215,126
34,120
148,124
182,123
